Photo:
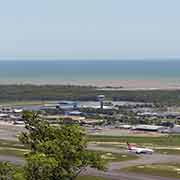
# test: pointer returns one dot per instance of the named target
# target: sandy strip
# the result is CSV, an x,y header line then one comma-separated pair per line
x,y
126,84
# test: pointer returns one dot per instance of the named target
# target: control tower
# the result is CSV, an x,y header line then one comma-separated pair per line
x,y
101,100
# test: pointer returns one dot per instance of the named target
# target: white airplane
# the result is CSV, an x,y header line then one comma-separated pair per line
x,y
132,148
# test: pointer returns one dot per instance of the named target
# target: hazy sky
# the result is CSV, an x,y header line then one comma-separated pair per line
x,y
89,29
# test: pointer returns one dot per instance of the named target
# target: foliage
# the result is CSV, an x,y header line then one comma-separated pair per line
x,y
45,92
6,171
40,167
10,172
57,152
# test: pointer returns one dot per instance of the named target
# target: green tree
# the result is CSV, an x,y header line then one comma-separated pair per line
x,y
57,152
10,172
6,171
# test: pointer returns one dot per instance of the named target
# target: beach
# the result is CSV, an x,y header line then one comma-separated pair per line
x,y
105,84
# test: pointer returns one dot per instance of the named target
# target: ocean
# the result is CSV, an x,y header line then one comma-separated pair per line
x,y
77,70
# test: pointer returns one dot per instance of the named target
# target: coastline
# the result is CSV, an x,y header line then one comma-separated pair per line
x,y
109,75
104,84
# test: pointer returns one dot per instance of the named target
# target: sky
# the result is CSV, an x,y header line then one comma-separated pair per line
x,y
89,29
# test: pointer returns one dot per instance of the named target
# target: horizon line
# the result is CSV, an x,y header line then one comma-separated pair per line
x,y
93,59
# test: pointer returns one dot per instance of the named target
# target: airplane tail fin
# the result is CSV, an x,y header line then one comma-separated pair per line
x,y
129,146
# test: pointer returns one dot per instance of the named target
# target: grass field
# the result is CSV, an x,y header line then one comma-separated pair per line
x,y
117,157
13,152
169,140
169,151
116,146
12,148
164,170
11,144
26,103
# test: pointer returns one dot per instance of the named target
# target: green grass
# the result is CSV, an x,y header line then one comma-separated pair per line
x,y
25,103
169,140
117,157
90,178
13,152
115,146
12,148
168,151
11,144
164,170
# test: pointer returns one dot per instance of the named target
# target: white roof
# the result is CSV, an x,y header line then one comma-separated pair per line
x,y
125,126
3,115
148,127
75,112
18,110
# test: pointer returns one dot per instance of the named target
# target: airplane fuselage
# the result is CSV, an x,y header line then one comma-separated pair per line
x,y
132,148
141,150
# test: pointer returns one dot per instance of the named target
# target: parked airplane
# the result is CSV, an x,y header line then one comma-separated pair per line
x,y
132,148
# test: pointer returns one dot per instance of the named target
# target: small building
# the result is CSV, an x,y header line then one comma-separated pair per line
x,y
67,105
147,114
92,121
74,113
145,127
3,116
18,110
6,109
68,119
124,126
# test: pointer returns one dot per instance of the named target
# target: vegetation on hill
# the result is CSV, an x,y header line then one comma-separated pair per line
x,y
69,92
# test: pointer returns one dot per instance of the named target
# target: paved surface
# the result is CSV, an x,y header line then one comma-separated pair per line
x,y
114,173
10,131
12,159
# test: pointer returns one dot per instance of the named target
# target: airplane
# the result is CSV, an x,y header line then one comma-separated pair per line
x,y
132,148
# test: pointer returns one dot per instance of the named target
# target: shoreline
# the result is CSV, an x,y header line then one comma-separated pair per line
x,y
104,84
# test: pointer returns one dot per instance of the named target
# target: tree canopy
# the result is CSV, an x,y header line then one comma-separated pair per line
x,y
56,152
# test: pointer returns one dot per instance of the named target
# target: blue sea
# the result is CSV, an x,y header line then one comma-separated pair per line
x,y
76,70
